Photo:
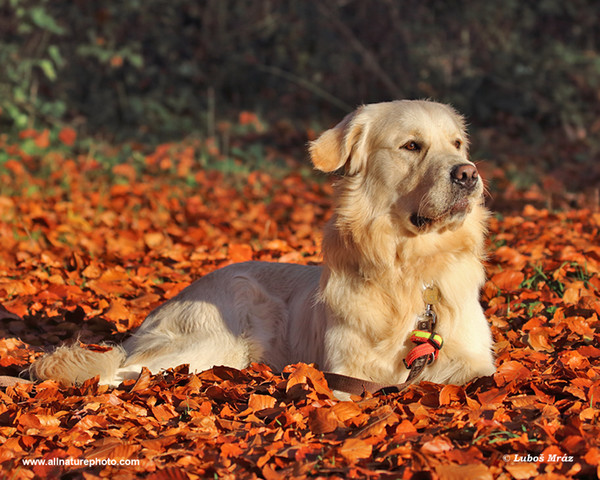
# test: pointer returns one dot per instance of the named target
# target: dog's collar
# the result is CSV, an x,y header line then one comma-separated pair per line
x,y
428,343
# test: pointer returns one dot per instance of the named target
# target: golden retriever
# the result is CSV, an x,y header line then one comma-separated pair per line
x,y
408,213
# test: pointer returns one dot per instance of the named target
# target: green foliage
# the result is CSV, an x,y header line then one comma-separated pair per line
x,y
572,271
160,68
30,58
540,277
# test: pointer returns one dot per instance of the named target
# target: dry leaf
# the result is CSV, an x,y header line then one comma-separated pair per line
x,y
322,420
462,472
115,240
260,402
354,449
508,280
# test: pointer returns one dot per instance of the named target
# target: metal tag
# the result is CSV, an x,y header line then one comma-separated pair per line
x,y
431,294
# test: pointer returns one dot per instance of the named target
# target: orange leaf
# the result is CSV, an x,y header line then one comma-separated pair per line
x,y
271,474
511,256
258,402
163,413
574,360
91,421
143,380
92,271
115,448
492,398
43,139
170,473
302,373
541,395
204,427
380,418
67,136
322,420
538,339
43,423
125,170
509,371
231,450
592,456
508,280
354,449
14,166
96,348
247,118
240,252
451,393
154,239
346,410
572,295
522,471
462,472
28,133
406,427
117,311
588,414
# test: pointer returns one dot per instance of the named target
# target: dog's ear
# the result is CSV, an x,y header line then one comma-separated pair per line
x,y
335,147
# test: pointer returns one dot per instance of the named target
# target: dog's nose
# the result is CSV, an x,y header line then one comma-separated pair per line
x,y
465,175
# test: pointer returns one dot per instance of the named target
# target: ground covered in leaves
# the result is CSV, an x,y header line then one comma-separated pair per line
x,y
89,249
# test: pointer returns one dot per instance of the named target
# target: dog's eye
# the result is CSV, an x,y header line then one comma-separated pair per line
x,y
457,144
412,146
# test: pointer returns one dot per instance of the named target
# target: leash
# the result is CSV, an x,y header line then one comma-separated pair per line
x,y
428,345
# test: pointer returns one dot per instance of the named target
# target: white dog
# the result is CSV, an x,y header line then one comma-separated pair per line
x,y
408,213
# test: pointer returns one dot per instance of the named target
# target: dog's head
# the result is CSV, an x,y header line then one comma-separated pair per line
x,y
410,157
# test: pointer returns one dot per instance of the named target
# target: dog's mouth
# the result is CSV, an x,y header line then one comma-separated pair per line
x,y
420,221
459,207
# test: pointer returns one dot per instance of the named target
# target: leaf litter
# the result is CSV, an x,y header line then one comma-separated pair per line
x,y
87,254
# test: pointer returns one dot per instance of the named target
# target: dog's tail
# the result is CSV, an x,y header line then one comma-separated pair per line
x,y
74,364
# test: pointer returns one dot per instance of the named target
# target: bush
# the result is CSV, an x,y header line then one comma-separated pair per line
x,y
164,68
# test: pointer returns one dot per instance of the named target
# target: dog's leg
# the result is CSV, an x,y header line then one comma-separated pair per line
x,y
467,352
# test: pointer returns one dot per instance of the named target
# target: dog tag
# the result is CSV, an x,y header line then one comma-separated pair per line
x,y
431,294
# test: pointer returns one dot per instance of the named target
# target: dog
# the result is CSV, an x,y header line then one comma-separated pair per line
x,y
408,215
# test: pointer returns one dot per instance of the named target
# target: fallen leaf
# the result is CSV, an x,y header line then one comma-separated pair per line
x,y
508,280
462,472
523,471
240,252
354,449
260,402
436,446
322,420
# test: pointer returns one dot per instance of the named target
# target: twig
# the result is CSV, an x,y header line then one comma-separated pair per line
x,y
304,83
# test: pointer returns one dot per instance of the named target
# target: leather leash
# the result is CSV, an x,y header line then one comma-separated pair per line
x,y
426,323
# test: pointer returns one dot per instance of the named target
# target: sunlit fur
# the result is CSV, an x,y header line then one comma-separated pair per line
x,y
353,315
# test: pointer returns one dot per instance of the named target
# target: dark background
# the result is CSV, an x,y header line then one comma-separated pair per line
x,y
525,73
